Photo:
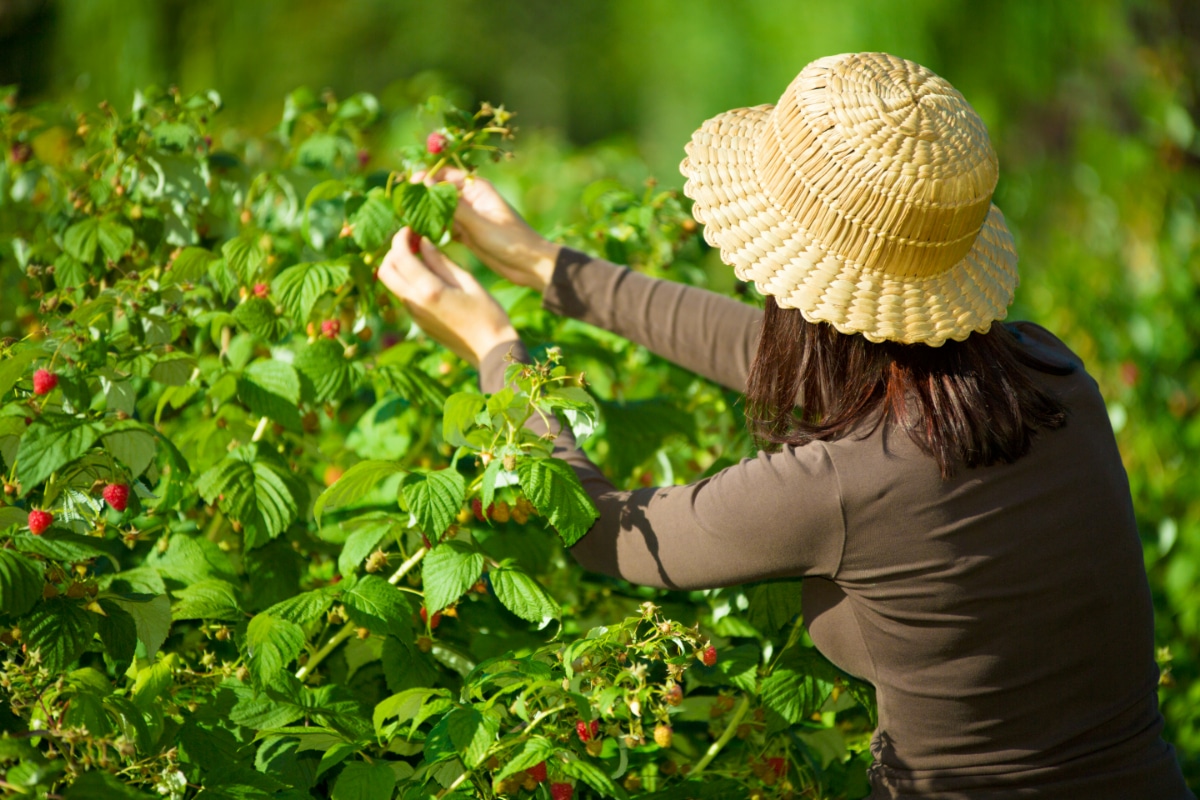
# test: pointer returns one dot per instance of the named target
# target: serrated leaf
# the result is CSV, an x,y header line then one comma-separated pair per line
x,y
257,492
329,375
360,544
554,489
414,386
100,785
449,571
60,630
20,583
524,596
429,210
61,545
298,288
190,265
151,616
773,605
434,498
271,389
244,256
83,239
303,608
209,599
355,484
471,733
133,445
257,316
404,706
12,367
271,644
118,632
796,688
737,666
592,776
374,222
49,444
535,751
362,781
375,604
458,417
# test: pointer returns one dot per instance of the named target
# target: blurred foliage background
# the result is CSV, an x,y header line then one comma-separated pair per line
x,y
1092,108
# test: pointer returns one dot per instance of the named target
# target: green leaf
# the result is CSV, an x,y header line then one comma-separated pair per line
x,y
488,487
471,733
60,629
151,616
97,784
449,571
355,483
173,370
362,781
20,583
413,385
374,222
10,516
554,489
271,389
271,644
404,706
49,444
434,498
429,210
303,608
796,688
535,751
257,491
360,544
592,775
118,632
245,257
773,604
82,239
737,666
375,604
152,682
190,265
524,596
329,375
459,415
209,599
133,444
298,288
257,316
61,545
12,367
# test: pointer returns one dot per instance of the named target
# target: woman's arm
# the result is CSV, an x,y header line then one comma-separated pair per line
x,y
776,515
707,333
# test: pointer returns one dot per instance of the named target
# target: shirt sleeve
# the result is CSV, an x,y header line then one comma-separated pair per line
x,y
772,516
710,334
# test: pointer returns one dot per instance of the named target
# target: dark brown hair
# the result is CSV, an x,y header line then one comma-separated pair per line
x,y
969,403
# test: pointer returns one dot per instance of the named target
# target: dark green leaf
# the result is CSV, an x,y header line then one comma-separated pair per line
x,y
374,222
434,498
271,644
257,316
12,367
362,781
429,210
303,608
20,583
118,632
773,605
258,492
554,489
190,265
60,630
449,571
298,288
379,606
244,256
593,776
109,236
796,688
208,599
534,752
49,444
329,375
271,389
152,617
133,444
100,785
472,733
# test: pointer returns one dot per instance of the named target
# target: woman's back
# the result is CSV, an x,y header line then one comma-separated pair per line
x,y
1003,615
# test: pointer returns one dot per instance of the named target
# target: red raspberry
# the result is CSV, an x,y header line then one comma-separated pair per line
x,y
538,772
437,618
330,328
364,157
583,731
39,521
117,495
261,289
21,152
708,656
777,765
561,791
674,694
594,727
435,143
477,509
44,382
414,242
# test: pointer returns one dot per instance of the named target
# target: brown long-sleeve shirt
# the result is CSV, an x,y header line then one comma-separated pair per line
x,y
1003,615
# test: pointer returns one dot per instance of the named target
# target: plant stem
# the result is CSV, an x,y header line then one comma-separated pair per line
x,y
728,734
261,429
457,782
347,630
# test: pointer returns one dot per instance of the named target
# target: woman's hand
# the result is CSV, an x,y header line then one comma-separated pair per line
x,y
445,300
496,233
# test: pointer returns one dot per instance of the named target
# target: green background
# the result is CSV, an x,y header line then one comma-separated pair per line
x,y
1091,106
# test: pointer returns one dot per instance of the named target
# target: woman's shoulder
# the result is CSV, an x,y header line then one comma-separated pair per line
x,y
1039,342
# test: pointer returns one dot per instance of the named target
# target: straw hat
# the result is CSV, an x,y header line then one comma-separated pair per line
x,y
863,198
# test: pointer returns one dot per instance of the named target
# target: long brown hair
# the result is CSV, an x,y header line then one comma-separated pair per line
x,y
968,403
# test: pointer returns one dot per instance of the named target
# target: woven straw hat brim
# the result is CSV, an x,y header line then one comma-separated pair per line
x,y
766,246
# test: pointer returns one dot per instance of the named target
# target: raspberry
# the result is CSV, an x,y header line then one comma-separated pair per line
x,y
330,328
414,242
674,694
364,157
561,791
434,622
583,731
777,765
708,656
663,735
500,511
44,382
20,152
117,495
261,289
538,772
594,727
39,521
435,143
477,509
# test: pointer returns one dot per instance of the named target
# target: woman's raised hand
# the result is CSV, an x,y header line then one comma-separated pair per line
x,y
496,233
444,299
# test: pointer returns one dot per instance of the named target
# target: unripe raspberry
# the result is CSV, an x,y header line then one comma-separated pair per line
x,y
39,521
663,735
44,382
561,791
595,747
330,328
538,772
499,511
674,694
583,731
708,656
117,495
424,644
435,143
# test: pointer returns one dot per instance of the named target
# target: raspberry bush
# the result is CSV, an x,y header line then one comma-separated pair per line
x,y
260,539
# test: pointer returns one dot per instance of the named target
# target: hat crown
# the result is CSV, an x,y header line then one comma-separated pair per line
x,y
882,161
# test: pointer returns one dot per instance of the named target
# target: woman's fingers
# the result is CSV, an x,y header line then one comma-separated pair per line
x,y
408,276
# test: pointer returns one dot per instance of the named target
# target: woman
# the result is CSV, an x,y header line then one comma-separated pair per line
x,y
950,489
